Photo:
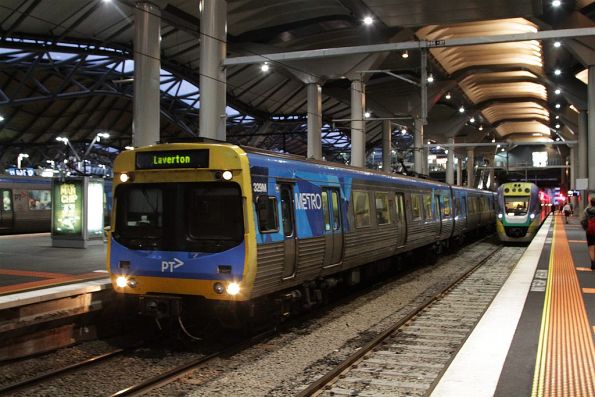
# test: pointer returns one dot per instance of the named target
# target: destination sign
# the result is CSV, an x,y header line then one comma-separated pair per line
x,y
198,158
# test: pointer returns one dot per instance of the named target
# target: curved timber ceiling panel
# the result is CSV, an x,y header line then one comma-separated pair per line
x,y
521,66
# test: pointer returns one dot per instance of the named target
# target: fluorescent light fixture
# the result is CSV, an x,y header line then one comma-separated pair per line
x,y
556,3
557,72
265,67
368,20
557,44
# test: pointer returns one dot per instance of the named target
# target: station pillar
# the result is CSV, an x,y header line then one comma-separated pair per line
x,y
358,124
591,130
418,146
387,147
573,199
213,81
459,172
314,121
581,165
470,168
450,162
147,80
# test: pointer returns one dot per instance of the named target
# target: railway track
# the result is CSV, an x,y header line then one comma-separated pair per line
x,y
408,358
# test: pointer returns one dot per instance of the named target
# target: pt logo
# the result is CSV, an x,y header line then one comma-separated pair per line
x,y
171,265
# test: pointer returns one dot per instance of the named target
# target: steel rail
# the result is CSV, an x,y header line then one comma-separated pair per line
x,y
330,376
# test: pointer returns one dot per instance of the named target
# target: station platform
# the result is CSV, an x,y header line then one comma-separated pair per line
x,y
537,337
28,262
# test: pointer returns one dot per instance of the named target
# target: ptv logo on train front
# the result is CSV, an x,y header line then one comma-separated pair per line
x,y
171,265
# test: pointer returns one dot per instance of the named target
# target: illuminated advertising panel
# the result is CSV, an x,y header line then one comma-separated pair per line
x,y
67,207
95,209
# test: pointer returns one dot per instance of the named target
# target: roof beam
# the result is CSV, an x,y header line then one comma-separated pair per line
x,y
410,45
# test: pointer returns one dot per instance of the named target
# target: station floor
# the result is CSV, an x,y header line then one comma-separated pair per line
x,y
29,262
536,339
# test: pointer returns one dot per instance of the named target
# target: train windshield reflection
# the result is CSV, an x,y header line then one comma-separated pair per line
x,y
516,205
199,217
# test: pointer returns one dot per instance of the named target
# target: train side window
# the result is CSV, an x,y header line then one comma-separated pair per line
x,y
361,209
382,213
446,205
415,207
268,221
428,209
6,200
287,212
336,214
325,212
400,207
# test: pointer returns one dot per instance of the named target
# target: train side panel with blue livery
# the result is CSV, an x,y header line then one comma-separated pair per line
x,y
521,211
233,224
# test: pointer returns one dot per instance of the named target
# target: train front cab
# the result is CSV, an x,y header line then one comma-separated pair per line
x,y
519,212
182,225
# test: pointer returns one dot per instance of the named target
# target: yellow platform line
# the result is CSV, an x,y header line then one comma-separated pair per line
x,y
565,363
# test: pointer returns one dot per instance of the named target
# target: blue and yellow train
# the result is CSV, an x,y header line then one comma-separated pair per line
x,y
522,208
242,227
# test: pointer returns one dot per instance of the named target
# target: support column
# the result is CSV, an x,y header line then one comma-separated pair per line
x,y
582,154
460,172
213,30
470,168
418,146
573,199
492,173
450,162
591,130
314,121
387,147
358,124
147,64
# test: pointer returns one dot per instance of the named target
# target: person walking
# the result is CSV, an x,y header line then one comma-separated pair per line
x,y
588,224
567,211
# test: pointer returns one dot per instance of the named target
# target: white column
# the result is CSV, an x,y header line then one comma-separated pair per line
x,y
358,124
418,146
147,64
314,121
450,162
460,172
213,30
591,130
492,173
470,168
581,164
387,147
573,155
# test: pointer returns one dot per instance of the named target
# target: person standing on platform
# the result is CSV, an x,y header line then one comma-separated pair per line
x,y
567,211
588,224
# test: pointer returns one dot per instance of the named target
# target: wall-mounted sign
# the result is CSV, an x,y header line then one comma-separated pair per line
x,y
198,158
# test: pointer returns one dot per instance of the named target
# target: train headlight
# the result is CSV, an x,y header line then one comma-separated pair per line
x,y
132,283
532,216
126,177
227,175
121,281
233,289
500,216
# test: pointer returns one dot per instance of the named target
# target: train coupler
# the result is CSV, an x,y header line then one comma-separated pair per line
x,y
160,306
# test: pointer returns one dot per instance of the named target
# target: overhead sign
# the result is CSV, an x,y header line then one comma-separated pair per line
x,y
198,158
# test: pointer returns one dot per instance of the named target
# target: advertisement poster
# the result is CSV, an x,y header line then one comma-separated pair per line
x,y
68,206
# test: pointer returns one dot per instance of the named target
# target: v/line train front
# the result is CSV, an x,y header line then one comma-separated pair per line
x,y
522,208
241,228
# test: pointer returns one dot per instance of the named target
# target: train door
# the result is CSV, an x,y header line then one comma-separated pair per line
x,y
289,234
333,227
6,210
401,220
438,211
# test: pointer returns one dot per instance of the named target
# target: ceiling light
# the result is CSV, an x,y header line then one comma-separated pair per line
x,y
557,126
556,3
405,54
558,139
448,96
368,20
537,134
558,106
462,109
265,67
403,130
1,118
129,147
502,150
494,140
557,72
472,120
367,114
481,127
557,91
557,117
557,44
430,78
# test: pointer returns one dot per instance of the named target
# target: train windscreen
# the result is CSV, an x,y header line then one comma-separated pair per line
x,y
516,205
195,217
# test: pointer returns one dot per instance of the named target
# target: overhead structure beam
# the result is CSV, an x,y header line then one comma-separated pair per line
x,y
501,144
409,45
